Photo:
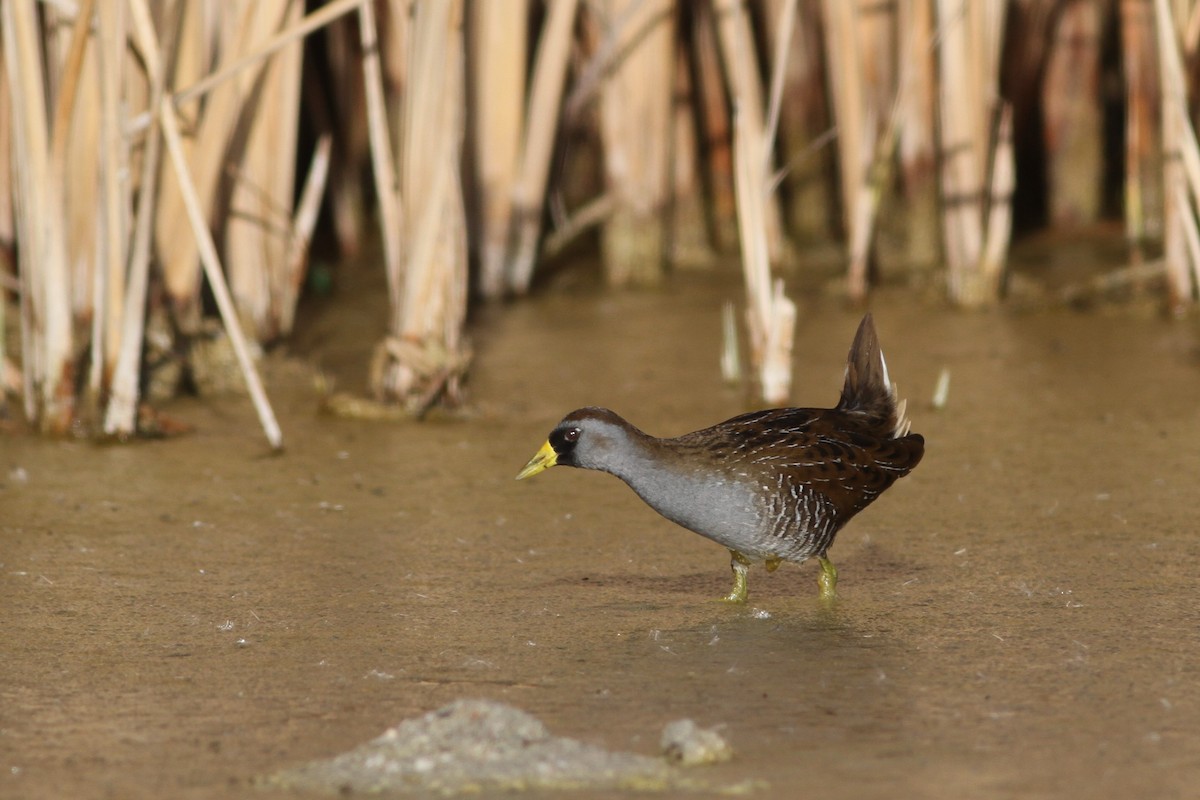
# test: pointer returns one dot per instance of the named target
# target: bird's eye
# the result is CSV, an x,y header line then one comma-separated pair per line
x,y
571,435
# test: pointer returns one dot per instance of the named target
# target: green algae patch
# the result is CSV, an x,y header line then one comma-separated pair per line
x,y
478,746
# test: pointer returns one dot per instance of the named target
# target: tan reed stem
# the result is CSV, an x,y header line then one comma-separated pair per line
x,y
206,154
216,278
745,89
498,66
770,316
258,221
1072,117
635,113
917,145
875,180
110,269
387,186
72,67
716,127
424,357
783,35
545,94
1178,214
968,68
305,221
120,418
847,87
998,230
317,19
1143,205
45,297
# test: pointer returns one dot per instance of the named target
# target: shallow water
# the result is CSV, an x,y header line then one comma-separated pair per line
x,y
1016,618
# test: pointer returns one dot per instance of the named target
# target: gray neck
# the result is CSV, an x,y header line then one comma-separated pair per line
x,y
698,499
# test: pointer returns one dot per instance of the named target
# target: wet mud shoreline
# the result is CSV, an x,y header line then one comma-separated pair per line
x,y
1016,618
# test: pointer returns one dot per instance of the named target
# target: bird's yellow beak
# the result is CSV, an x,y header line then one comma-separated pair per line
x,y
544,459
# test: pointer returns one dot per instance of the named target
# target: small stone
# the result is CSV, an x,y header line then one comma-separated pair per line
x,y
477,747
685,742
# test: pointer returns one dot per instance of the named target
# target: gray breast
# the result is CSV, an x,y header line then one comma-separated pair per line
x,y
715,506
778,519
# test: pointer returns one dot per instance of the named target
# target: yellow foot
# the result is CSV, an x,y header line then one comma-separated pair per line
x,y
740,566
827,580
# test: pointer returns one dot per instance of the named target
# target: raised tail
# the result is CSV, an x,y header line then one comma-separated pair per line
x,y
868,390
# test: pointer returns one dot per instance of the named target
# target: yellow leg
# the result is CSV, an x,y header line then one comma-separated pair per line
x,y
773,563
827,580
740,566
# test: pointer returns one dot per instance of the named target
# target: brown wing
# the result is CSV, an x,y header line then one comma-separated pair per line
x,y
835,453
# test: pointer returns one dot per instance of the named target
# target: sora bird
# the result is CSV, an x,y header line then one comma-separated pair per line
x,y
771,486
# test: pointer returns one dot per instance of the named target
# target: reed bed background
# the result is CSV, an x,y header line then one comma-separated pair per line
x,y
168,165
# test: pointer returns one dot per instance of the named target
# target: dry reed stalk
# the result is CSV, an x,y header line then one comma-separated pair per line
x,y
590,215
344,111
849,104
1191,235
205,152
968,66
868,197
387,189
961,187
715,123
304,222
545,95
917,146
46,337
867,109
200,81
1189,11
868,100
876,29
770,316
1073,124
72,70
635,126
111,259
803,117
258,225
784,27
498,68
687,239
1027,37
1178,140
1143,203
76,150
737,46
394,32
211,264
7,238
731,357
424,356
998,230
7,212
190,62
120,416
243,49
192,72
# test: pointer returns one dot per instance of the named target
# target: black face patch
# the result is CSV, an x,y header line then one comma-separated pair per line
x,y
563,440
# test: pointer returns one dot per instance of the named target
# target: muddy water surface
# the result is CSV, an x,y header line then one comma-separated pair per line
x,y
1019,617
